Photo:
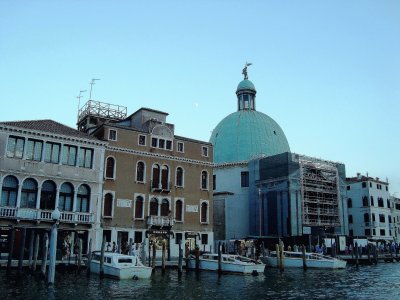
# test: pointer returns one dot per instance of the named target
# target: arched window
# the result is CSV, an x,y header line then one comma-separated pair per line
x,y
366,217
204,212
83,198
110,165
178,210
154,207
140,171
9,191
48,195
155,181
179,176
66,197
165,208
165,177
204,180
108,205
139,207
349,203
29,193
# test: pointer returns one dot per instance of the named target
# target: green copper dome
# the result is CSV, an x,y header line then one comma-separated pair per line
x,y
245,85
247,134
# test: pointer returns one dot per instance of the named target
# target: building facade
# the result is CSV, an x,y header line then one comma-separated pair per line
x,y
157,185
45,166
369,208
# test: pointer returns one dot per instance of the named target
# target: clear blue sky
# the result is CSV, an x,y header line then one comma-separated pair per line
x,y
327,71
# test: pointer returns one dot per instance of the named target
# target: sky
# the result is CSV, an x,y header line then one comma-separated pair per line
x,y
327,71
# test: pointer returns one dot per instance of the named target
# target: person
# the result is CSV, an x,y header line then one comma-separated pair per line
x,y
108,247
289,248
133,249
114,247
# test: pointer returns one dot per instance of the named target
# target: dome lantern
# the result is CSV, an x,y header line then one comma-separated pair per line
x,y
246,92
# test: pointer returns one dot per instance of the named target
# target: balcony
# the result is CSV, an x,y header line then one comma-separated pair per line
x,y
45,215
160,187
157,221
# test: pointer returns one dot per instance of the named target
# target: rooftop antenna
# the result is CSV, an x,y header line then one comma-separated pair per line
x,y
91,87
79,99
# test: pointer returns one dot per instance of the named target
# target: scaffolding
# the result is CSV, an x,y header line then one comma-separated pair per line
x,y
320,190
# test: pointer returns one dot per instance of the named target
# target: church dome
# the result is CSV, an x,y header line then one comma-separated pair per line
x,y
247,133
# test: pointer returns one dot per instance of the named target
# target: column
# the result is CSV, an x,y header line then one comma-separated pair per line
x,y
38,196
74,199
19,194
57,196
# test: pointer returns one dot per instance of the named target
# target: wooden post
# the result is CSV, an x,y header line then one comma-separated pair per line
x,y
180,258
278,261
149,253
163,257
281,256
219,259
334,250
187,256
35,252
89,256
303,251
21,251
197,254
79,255
169,248
10,249
31,240
103,247
369,253
53,251
376,254
153,265
45,244
356,252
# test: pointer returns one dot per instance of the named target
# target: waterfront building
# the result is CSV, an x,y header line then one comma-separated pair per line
x,y
157,185
44,166
261,189
369,208
395,212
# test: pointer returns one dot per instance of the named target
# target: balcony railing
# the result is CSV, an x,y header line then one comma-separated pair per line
x,y
45,215
160,221
160,187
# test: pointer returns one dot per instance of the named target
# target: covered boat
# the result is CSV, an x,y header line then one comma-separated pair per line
x,y
120,266
293,259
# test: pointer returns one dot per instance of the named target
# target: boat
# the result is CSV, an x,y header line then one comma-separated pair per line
x,y
293,259
119,266
229,263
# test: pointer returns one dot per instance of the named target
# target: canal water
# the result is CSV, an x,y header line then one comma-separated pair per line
x,y
366,282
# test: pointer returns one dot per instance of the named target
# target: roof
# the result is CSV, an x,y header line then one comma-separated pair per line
x,y
364,178
49,126
245,135
245,85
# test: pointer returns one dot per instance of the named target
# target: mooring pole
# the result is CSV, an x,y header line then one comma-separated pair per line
x,y
10,249
153,265
35,252
31,240
219,259
21,251
163,258
278,261
356,252
79,255
303,250
89,256
103,247
53,251
197,254
44,254
180,258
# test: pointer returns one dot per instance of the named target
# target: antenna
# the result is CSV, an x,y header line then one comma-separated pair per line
x,y
91,87
79,100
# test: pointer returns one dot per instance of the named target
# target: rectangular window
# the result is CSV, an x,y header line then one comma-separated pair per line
x,y
364,184
204,151
373,217
52,153
383,232
350,219
244,179
161,143
367,231
204,238
348,188
142,140
382,218
180,147
15,147
69,155
112,135
373,231
138,236
214,182
168,145
34,150
85,157
178,237
107,235
154,142
370,184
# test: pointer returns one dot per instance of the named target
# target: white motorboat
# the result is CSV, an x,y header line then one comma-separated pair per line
x,y
119,266
229,263
313,260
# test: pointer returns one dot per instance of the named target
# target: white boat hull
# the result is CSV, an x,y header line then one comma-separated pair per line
x,y
212,265
296,262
